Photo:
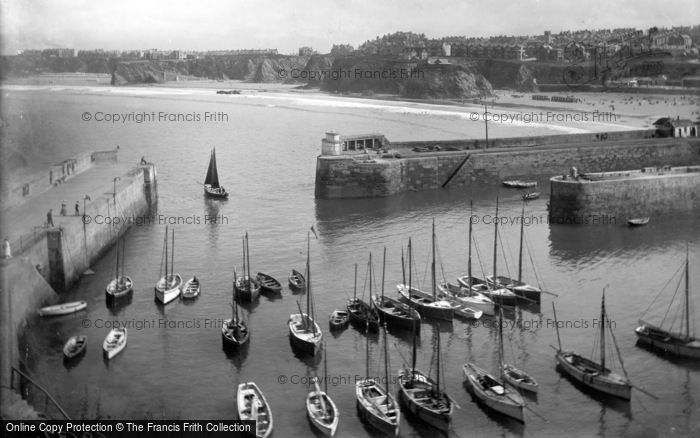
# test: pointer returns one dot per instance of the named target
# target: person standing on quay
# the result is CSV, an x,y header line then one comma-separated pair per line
x,y
77,208
49,218
6,251
64,210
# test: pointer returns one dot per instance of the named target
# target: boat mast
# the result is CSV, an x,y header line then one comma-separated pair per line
x,y
495,244
520,256
166,256
469,254
116,273
123,253
172,254
432,267
500,344
244,265
403,267
367,350
602,333
354,289
556,324
687,295
370,283
386,363
383,272
413,325
437,392
247,256
325,371
308,284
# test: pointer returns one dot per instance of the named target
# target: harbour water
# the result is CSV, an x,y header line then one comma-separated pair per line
x,y
174,365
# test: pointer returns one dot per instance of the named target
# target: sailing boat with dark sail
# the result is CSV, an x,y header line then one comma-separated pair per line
x,y
423,396
680,343
169,286
121,285
491,391
234,333
393,312
245,287
304,333
375,404
212,188
363,315
594,375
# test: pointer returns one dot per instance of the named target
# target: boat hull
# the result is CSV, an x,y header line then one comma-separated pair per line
x,y
668,344
118,288
191,289
215,193
114,343
339,319
425,305
584,371
268,283
297,283
303,340
62,309
246,290
167,291
75,346
376,407
397,315
519,379
232,339
474,300
252,405
362,315
324,422
411,392
508,403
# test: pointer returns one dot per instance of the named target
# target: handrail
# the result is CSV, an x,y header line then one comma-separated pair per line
x,y
46,393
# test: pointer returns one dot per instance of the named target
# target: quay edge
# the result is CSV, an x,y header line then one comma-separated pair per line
x,y
363,166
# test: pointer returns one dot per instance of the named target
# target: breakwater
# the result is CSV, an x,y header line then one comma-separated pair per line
x,y
624,195
48,259
373,166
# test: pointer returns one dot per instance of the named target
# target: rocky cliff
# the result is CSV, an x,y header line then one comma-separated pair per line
x,y
412,79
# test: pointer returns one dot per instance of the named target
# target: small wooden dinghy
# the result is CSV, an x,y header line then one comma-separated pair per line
x,y
297,282
638,222
252,406
519,378
492,393
62,309
191,288
519,184
322,411
75,346
530,196
467,312
268,283
339,319
114,342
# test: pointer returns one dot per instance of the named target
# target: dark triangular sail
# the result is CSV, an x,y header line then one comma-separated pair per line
x,y
212,175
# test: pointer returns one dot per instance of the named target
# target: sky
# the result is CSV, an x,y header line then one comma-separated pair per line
x,y
289,24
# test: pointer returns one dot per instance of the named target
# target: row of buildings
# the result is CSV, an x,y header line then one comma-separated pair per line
x,y
151,54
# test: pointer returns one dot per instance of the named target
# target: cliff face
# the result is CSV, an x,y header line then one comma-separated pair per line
x,y
406,78
259,69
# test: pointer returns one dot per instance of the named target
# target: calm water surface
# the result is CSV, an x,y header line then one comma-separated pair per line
x,y
174,366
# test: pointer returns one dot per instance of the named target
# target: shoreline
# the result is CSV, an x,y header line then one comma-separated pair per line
x,y
641,108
